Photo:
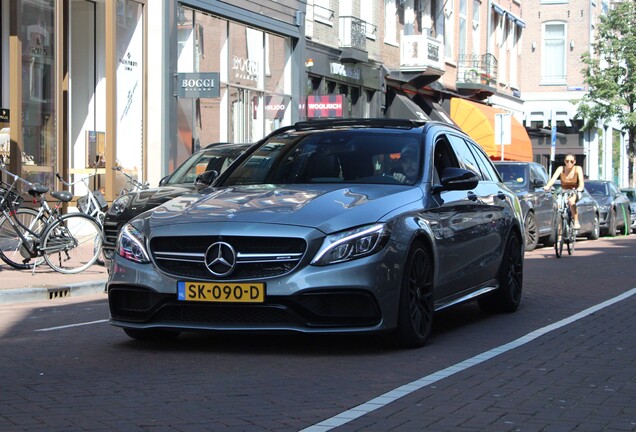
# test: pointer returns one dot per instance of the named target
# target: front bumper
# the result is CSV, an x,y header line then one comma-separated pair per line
x,y
353,297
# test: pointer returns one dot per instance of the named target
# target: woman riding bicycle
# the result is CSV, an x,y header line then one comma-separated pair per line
x,y
571,179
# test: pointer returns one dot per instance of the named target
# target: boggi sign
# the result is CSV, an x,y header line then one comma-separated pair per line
x,y
198,85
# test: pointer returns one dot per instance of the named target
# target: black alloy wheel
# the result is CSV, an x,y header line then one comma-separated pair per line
x,y
532,235
416,308
507,297
596,229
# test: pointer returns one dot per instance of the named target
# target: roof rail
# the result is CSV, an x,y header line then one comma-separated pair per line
x,y
362,122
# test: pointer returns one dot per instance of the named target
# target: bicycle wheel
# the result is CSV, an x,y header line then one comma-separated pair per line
x,y
558,243
72,243
571,237
12,250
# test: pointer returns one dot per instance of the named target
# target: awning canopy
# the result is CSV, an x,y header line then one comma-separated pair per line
x,y
478,121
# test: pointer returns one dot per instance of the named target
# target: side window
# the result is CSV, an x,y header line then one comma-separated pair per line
x,y
443,158
539,173
466,156
487,168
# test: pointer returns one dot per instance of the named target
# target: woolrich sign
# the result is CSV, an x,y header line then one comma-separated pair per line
x,y
198,85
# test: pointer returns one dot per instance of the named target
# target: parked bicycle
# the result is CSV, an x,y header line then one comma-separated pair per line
x,y
68,243
565,234
132,184
92,203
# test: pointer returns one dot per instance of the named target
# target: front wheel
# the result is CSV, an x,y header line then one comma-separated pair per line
x,y
12,248
558,236
72,243
596,229
507,296
532,234
416,307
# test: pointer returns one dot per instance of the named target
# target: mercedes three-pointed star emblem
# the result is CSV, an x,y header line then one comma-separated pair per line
x,y
220,259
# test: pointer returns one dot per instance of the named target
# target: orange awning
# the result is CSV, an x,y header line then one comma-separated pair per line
x,y
478,121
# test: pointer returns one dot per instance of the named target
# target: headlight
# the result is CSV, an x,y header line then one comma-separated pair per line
x,y
131,245
353,244
119,205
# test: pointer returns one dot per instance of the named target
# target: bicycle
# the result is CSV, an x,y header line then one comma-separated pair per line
x,y
92,203
68,243
132,184
564,228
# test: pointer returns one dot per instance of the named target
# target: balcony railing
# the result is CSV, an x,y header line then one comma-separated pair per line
x,y
420,52
477,69
353,33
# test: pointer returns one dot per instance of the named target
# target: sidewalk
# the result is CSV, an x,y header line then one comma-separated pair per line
x,y
17,286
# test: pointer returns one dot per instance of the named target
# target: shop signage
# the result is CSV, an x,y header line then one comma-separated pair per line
x,y
246,69
352,72
4,115
324,106
275,107
198,85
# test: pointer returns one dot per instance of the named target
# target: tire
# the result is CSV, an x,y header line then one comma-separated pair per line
x,y
11,251
151,334
532,234
596,229
72,243
416,306
507,297
558,243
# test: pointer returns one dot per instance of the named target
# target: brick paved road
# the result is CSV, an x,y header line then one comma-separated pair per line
x,y
579,377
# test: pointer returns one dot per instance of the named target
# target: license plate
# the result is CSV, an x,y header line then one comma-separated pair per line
x,y
220,292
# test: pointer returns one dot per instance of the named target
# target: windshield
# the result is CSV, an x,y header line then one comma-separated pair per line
x,y
217,159
514,176
596,188
354,156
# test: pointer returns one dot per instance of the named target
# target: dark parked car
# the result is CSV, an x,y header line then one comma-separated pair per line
x,y
341,226
539,207
213,157
613,206
630,193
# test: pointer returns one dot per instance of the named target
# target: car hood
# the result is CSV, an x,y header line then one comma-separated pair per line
x,y
151,198
602,200
326,207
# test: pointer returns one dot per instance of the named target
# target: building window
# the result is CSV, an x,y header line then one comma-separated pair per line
x,y
463,22
476,28
449,30
553,60
390,22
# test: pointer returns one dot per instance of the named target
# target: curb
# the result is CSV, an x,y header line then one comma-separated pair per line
x,y
31,294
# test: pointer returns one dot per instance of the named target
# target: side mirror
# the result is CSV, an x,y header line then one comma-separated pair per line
x,y
205,179
458,179
163,180
538,183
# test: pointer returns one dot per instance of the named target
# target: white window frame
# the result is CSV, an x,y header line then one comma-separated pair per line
x,y
476,28
548,57
390,22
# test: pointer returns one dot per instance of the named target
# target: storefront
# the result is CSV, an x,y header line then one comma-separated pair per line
x,y
254,92
338,89
64,113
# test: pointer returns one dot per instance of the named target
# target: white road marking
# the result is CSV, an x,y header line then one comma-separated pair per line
x,y
71,325
407,389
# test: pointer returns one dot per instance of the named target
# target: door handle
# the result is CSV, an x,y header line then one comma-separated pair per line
x,y
472,196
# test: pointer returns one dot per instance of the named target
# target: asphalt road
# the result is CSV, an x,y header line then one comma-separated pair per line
x,y
563,362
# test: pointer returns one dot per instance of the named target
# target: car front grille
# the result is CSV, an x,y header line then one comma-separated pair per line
x,y
311,310
256,257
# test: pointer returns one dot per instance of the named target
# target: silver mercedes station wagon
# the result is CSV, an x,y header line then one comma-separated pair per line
x,y
334,226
